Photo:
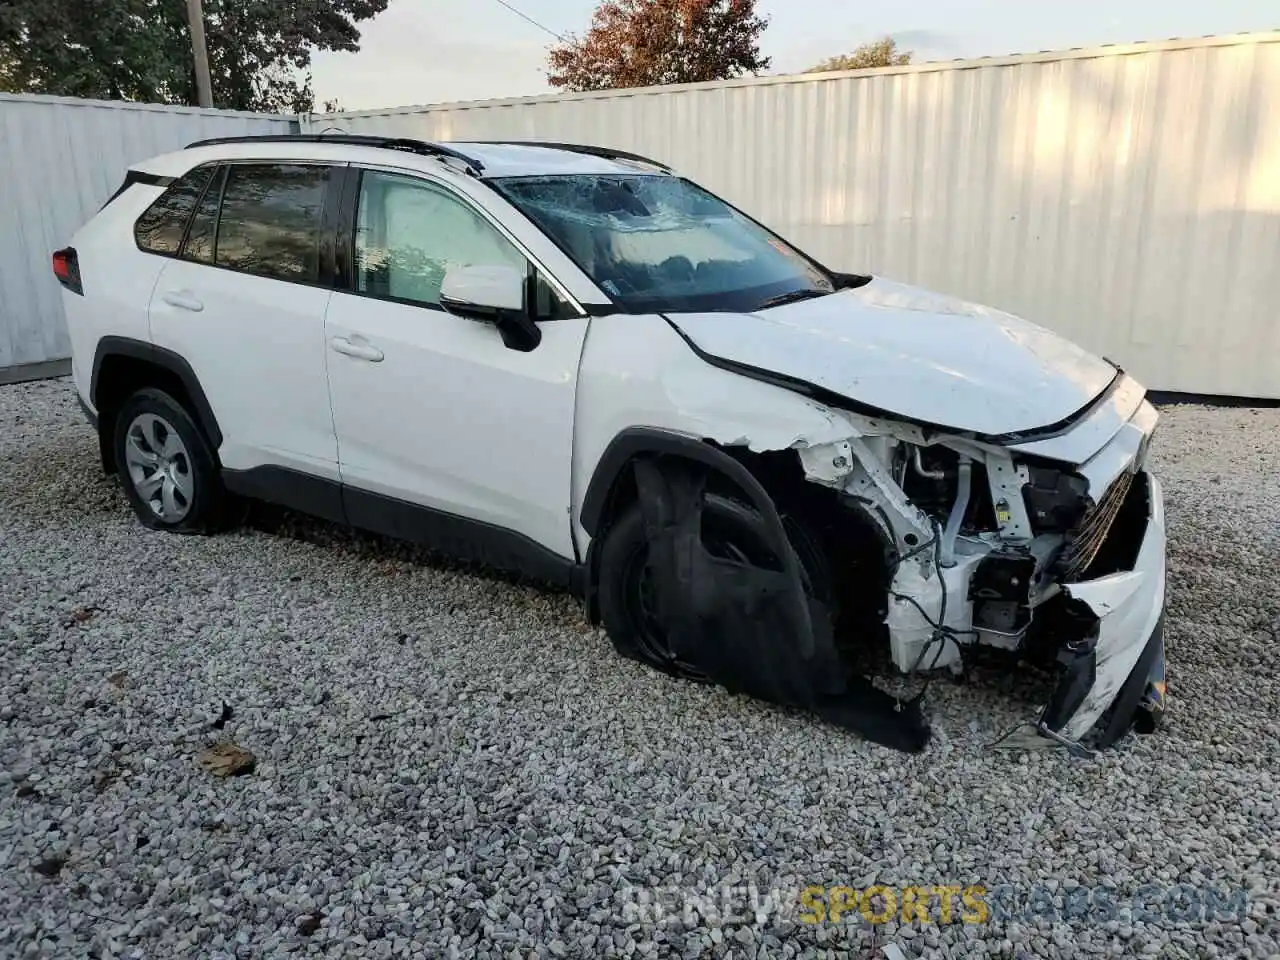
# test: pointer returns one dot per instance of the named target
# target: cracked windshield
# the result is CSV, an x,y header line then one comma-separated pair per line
x,y
663,244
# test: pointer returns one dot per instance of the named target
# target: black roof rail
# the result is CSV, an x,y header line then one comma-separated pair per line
x,y
605,153
424,147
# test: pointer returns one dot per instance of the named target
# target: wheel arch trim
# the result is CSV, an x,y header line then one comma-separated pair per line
x,y
166,360
635,442
654,441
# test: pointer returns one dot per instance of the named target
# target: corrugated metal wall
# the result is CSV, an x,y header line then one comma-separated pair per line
x,y
60,159
1128,197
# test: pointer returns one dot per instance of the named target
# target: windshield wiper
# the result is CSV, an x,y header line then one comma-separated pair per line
x,y
793,297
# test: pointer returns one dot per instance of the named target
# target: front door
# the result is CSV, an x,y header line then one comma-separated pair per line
x,y
433,410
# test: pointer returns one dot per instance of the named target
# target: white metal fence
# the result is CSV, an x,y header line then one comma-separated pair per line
x,y
60,159
1128,197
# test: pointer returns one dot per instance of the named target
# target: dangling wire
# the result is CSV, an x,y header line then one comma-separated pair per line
x,y
941,632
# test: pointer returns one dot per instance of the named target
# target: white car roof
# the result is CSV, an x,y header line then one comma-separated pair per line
x,y
493,159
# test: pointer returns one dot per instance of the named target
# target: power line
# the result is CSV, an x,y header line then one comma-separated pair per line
x,y
529,19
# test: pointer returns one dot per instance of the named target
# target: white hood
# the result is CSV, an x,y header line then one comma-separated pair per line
x,y
917,354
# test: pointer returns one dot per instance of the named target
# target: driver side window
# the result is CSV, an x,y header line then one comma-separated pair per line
x,y
409,232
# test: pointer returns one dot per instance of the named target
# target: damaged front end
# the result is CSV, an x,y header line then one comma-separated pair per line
x,y
1000,548
984,545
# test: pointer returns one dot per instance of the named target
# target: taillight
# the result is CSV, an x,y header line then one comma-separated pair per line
x,y
66,267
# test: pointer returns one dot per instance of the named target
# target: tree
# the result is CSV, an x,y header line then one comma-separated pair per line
x,y
878,53
638,43
259,50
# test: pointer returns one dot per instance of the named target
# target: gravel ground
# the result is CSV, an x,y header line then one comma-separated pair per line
x,y
449,764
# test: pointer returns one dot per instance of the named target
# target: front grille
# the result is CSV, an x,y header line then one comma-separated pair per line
x,y
1084,542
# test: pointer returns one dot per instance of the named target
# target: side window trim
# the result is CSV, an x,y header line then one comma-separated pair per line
x,y
334,240
223,174
344,231
220,179
345,274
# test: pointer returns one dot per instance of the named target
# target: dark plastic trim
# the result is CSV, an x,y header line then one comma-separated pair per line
x,y
137,176
87,411
218,176
605,153
1128,701
617,457
651,441
166,360
344,225
648,442
294,489
337,226
403,144
460,538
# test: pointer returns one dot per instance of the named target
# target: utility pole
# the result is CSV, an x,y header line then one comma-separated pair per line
x,y
195,22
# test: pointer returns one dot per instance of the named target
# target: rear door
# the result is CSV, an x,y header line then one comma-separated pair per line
x,y
433,410
244,304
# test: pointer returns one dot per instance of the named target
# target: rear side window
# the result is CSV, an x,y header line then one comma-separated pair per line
x,y
160,228
270,223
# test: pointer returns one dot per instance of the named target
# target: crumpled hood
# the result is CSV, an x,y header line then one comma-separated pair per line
x,y
920,355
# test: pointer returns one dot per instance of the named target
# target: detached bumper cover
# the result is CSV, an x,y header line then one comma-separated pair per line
x,y
1115,674
1130,609
1114,679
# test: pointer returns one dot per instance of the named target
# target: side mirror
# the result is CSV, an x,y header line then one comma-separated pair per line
x,y
493,294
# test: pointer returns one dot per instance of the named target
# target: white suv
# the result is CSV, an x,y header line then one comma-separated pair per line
x,y
571,363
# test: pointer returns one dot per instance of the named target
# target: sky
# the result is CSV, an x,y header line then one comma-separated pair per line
x,y
438,51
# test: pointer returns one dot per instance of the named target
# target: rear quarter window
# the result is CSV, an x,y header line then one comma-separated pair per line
x,y
161,226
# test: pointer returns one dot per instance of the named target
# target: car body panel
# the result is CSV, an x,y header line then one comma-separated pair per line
x,y
257,347
637,371
117,279
1094,430
915,354
452,419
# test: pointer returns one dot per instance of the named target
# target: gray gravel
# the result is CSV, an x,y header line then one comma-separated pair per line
x,y
448,764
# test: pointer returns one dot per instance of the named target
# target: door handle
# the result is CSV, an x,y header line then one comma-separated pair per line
x,y
361,351
183,300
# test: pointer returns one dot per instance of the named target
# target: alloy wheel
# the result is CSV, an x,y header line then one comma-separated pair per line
x,y
159,467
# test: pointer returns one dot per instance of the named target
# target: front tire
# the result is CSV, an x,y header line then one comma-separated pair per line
x,y
167,468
